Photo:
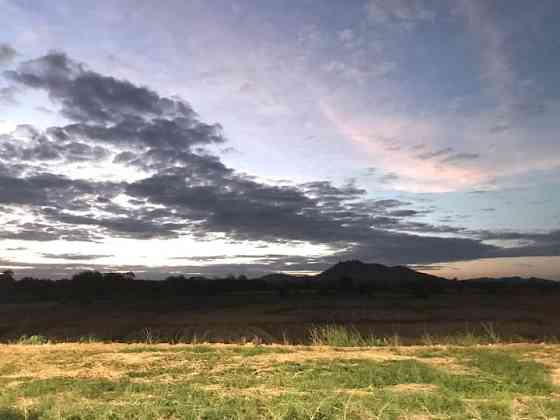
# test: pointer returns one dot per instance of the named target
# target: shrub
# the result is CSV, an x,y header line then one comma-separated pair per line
x,y
33,340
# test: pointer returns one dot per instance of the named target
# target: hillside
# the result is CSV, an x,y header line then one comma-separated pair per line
x,y
378,275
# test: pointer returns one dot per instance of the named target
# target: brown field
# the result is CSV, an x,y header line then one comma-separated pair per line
x,y
269,318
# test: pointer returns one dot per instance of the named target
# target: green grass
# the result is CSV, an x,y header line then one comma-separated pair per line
x,y
274,382
349,336
32,340
342,336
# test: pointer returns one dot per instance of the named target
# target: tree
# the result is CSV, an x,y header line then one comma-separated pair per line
x,y
7,278
88,276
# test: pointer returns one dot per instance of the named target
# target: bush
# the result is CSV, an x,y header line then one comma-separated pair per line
x,y
33,340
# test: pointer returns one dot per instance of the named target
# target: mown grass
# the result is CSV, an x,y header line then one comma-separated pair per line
x,y
96,381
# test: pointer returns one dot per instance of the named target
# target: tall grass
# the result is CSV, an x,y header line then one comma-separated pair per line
x,y
338,335
32,340
349,336
342,336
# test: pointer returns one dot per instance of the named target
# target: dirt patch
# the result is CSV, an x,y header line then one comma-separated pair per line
x,y
550,357
258,391
71,360
413,388
447,364
133,359
329,353
555,376
46,372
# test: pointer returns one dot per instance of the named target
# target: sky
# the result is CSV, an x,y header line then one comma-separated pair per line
x,y
215,137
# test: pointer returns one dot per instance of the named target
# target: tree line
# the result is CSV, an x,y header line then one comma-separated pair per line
x,y
91,285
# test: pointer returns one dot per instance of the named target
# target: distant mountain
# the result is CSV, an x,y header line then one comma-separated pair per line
x,y
380,276
356,273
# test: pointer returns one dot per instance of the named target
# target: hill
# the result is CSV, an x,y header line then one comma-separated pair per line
x,y
379,276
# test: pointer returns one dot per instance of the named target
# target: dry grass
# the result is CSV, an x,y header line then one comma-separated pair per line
x,y
59,381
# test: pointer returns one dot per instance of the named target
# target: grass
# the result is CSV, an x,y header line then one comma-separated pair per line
x,y
343,336
97,381
32,340
335,335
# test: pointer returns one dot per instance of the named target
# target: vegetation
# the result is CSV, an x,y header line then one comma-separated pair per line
x,y
349,347
345,278
32,340
162,381
343,336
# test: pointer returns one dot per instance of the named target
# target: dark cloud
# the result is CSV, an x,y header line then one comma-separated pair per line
x,y
47,232
325,214
51,190
135,225
113,110
183,189
404,213
7,54
378,205
526,244
388,178
8,95
435,154
53,145
458,157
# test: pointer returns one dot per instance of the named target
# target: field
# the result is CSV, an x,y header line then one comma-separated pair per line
x,y
218,381
389,356
270,318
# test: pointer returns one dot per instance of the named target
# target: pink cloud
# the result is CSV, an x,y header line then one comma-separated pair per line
x,y
380,138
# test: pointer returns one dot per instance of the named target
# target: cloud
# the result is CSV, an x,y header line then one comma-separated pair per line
x,y
74,256
7,54
416,169
517,97
179,188
399,11
404,213
388,178
112,110
435,154
8,95
461,157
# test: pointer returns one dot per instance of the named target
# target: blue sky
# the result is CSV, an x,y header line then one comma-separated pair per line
x,y
447,108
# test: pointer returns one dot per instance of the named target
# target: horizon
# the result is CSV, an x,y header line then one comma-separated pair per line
x,y
145,275
206,137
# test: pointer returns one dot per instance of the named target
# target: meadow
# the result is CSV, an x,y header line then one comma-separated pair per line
x,y
93,380
389,356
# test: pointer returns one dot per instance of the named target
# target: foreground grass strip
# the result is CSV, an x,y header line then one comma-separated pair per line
x,y
272,382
